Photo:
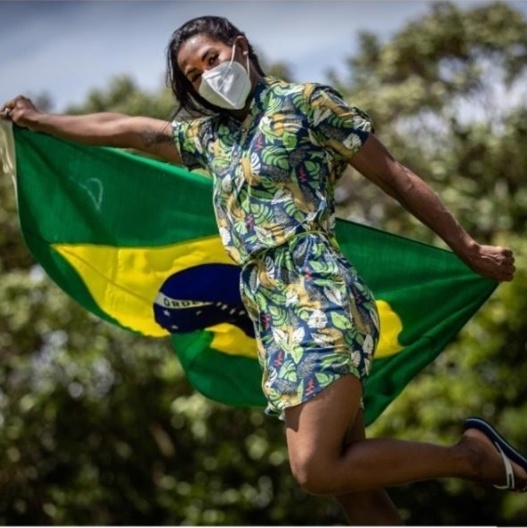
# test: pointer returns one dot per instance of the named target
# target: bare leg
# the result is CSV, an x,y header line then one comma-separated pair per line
x,y
370,508
367,508
316,432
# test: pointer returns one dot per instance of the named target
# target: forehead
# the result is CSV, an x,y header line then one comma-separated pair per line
x,y
194,49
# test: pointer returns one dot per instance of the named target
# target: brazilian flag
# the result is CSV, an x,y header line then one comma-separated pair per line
x,y
134,241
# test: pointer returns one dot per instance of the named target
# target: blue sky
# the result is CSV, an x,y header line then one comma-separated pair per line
x,y
66,48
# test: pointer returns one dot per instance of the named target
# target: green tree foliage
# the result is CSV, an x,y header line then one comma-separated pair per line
x,y
98,426
123,95
445,95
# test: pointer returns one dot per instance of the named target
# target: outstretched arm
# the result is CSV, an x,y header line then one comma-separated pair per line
x,y
149,135
375,162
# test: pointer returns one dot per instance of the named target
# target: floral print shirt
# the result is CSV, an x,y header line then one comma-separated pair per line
x,y
274,172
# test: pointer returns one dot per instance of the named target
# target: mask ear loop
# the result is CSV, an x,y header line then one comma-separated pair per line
x,y
245,53
247,67
232,55
229,66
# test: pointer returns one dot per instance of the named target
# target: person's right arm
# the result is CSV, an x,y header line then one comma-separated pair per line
x,y
147,134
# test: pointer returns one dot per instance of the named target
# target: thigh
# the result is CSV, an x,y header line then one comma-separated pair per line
x,y
321,428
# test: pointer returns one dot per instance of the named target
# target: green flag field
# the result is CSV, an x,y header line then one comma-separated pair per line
x,y
134,241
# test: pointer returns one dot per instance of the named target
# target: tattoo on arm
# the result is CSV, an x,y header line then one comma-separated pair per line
x,y
151,137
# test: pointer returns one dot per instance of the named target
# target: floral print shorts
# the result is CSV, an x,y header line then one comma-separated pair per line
x,y
315,318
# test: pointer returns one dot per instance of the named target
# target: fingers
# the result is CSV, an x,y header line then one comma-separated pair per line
x,y
507,275
5,111
495,262
499,274
505,263
506,253
18,103
20,111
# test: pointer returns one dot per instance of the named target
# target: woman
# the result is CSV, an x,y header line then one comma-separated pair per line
x,y
275,150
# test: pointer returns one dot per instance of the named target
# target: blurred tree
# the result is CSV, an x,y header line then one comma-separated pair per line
x,y
98,426
124,95
276,69
446,96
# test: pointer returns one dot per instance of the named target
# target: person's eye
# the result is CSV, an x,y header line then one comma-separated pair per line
x,y
212,59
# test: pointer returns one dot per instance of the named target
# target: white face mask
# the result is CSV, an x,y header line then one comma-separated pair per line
x,y
227,85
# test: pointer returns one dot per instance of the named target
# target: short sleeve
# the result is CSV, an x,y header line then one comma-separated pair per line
x,y
337,126
187,137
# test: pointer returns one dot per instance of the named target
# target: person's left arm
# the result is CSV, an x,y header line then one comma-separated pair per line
x,y
375,163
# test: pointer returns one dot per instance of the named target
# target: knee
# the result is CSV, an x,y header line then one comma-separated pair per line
x,y
312,474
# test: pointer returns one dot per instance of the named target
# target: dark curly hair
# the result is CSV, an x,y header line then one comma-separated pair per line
x,y
217,28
